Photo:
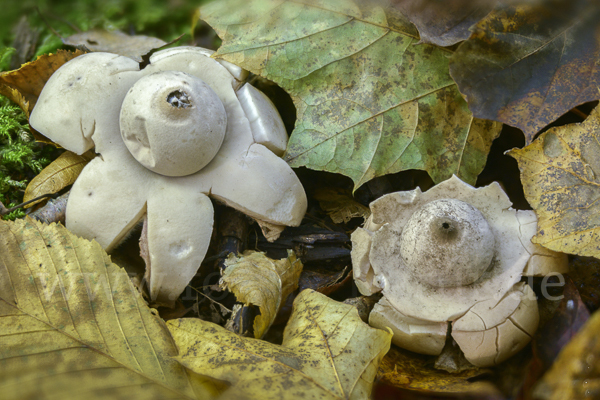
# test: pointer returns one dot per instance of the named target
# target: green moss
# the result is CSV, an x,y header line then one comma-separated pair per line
x,y
21,157
159,18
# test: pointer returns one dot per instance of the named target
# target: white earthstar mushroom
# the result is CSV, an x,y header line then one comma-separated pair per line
x,y
183,128
454,254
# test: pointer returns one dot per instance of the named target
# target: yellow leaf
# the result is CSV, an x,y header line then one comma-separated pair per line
x,y
340,206
560,172
256,279
575,373
327,353
404,369
61,173
73,326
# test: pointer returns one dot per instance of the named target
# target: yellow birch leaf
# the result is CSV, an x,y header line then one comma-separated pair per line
x,y
256,279
327,352
575,374
560,172
61,173
73,326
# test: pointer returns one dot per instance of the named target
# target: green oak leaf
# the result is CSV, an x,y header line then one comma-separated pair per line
x,y
370,101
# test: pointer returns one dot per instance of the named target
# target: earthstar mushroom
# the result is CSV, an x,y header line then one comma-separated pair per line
x,y
452,255
183,128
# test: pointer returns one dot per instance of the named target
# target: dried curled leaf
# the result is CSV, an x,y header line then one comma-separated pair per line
x,y
560,172
256,279
116,42
576,372
370,101
404,369
527,64
61,173
73,326
340,206
24,85
327,353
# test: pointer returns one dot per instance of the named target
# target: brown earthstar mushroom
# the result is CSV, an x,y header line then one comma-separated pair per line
x,y
183,128
453,255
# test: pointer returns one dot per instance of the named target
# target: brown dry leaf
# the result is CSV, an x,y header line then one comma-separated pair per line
x,y
560,172
444,23
256,279
73,326
327,353
323,282
24,85
404,369
61,173
270,231
576,372
529,62
339,205
115,42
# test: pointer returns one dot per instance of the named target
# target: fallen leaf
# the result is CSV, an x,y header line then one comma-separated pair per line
x,y
444,23
325,282
256,279
24,85
116,42
327,353
526,65
61,173
340,205
270,231
369,100
576,372
404,369
73,326
364,305
560,172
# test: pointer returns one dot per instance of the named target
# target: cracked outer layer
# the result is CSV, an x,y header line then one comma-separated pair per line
x,y
490,332
493,315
